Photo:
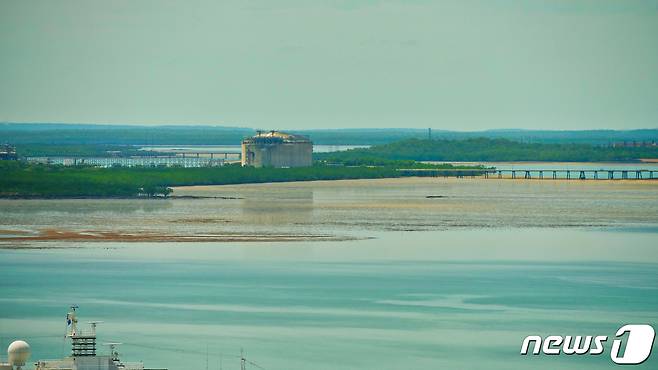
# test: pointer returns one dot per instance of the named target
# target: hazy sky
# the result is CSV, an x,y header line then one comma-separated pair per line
x,y
464,64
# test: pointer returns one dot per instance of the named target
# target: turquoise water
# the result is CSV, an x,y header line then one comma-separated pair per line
x,y
335,306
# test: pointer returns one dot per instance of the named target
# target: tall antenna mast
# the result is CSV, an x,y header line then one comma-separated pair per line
x,y
82,344
71,322
244,361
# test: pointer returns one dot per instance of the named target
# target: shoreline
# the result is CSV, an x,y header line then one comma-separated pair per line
x,y
423,179
418,180
170,197
14,238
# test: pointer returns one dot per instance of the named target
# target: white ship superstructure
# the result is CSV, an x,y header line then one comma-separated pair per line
x,y
83,352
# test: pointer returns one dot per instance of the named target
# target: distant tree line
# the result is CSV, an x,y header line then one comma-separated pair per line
x,y
81,150
19,179
491,150
83,134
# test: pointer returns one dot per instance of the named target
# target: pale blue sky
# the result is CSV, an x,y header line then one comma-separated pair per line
x,y
464,64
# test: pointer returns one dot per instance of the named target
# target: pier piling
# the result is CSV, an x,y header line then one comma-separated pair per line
x,y
583,174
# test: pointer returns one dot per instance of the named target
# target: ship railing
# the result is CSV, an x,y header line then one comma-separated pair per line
x,y
54,364
84,333
132,366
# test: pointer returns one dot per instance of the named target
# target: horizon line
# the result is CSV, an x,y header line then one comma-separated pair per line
x,y
199,125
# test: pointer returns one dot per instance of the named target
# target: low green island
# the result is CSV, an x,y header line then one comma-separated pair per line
x,y
489,150
27,180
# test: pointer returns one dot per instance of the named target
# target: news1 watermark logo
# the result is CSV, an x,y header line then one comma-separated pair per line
x,y
633,349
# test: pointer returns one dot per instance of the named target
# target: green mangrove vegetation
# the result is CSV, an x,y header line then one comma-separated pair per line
x,y
19,179
490,150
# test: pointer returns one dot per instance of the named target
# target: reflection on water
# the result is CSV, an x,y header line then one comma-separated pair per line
x,y
434,204
278,206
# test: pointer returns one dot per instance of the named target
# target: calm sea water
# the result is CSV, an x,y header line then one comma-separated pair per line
x,y
428,285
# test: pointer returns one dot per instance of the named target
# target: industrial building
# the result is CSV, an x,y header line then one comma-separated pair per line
x,y
277,149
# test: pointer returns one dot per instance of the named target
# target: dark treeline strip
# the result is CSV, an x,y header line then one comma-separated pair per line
x,y
371,161
482,149
119,135
18,179
76,134
80,150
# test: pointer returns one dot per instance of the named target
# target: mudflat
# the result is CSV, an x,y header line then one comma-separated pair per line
x,y
331,210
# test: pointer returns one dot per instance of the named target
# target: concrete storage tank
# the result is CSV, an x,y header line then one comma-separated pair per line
x,y
277,149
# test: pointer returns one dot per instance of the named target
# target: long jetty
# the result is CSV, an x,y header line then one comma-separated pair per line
x,y
568,174
602,174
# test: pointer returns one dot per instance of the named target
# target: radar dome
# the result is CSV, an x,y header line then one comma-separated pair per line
x,y
18,353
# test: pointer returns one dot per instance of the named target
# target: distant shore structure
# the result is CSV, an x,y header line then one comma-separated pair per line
x,y
277,149
8,152
634,144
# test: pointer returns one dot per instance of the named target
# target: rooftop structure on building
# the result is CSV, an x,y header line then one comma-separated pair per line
x,y
277,149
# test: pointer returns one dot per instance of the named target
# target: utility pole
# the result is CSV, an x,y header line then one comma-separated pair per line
x,y
429,133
